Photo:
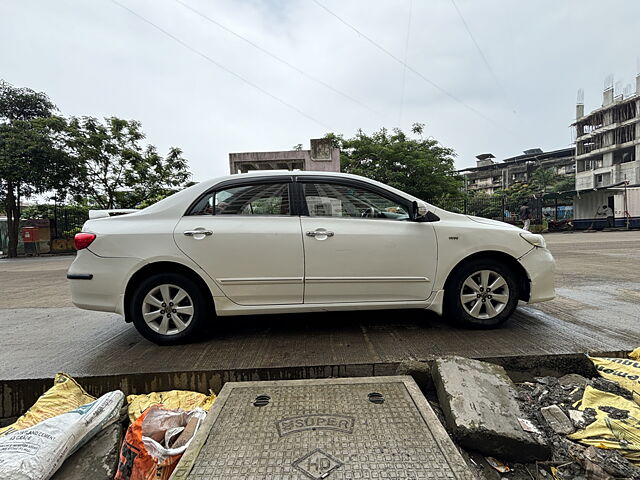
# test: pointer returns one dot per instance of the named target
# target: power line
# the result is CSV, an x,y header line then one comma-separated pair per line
x,y
411,69
404,68
222,67
276,57
482,55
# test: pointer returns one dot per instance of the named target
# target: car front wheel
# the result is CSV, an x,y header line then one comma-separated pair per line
x,y
168,308
482,293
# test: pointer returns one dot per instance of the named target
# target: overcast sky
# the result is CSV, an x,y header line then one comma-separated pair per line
x,y
97,58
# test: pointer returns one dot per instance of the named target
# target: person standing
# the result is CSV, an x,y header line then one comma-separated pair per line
x,y
607,212
525,215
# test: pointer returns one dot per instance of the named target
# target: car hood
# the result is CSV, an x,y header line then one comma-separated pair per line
x,y
496,223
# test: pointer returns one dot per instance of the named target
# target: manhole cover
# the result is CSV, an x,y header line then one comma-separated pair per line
x,y
377,427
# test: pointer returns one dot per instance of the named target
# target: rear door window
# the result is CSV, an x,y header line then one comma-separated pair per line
x,y
256,199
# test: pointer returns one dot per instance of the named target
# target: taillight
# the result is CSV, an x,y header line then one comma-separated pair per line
x,y
83,240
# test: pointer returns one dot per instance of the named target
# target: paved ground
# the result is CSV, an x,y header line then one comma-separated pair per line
x,y
597,309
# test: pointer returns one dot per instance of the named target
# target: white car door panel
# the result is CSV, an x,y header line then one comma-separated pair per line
x,y
254,260
360,247
251,246
368,260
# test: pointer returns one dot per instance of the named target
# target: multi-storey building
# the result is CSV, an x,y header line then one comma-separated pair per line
x,y
489,176
607,159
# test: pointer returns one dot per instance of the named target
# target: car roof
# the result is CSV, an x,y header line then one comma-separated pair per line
x,y
295,173
305,173
289,173
286,173
179,201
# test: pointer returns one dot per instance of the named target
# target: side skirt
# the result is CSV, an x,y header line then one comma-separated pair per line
x,y
225,307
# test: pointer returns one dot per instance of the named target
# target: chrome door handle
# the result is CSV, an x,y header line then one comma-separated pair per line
x,y
320,233
191,233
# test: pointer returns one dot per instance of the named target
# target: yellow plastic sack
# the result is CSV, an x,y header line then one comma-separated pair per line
x,y
171,400
607,432
625,371
65,396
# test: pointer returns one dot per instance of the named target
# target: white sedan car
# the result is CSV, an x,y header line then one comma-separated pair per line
x,y
283,242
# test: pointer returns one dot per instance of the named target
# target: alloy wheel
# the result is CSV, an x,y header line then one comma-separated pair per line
x,y
167,309
484,294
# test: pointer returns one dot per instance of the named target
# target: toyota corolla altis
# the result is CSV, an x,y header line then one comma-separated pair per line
x,y
283,242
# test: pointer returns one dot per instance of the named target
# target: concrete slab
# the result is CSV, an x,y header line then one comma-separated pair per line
x,y
318,429
557,420
96,460
479,403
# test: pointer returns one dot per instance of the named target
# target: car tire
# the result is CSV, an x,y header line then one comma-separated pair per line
x,y
169,308
472,302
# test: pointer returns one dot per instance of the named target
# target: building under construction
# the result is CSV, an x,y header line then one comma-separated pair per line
x,y
607,159
489,176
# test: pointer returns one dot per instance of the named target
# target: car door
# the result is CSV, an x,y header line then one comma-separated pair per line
x,y
361,246
245,237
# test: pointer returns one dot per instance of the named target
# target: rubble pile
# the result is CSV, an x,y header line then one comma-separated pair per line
x,y
551,403
569,427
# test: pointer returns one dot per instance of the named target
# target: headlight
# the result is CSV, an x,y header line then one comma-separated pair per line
x,y
534,239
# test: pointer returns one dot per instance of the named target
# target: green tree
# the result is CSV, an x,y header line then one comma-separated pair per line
x,y
420,167
33,154
117,170
564,184
517,193
23,103
484,205
544,178
69,217
417,128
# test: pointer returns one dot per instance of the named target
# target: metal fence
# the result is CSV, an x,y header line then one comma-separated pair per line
x,y
65,220
500,208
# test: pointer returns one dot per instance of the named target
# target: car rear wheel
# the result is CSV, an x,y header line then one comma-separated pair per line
x,y
482,293
168,308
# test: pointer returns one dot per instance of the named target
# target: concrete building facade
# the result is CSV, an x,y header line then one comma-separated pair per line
x,y
322,156
489,176
608,159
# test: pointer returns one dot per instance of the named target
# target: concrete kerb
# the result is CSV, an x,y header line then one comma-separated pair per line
x,y
17,395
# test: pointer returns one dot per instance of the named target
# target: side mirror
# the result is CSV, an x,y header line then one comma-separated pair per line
x,y
419,212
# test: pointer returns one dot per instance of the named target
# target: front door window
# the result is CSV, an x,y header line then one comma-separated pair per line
x,y
334,200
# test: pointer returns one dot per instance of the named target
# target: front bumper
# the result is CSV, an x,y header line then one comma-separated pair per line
x,y
540,267
98,283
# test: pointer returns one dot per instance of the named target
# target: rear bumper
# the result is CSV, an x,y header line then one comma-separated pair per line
x,y
98,283
540,267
